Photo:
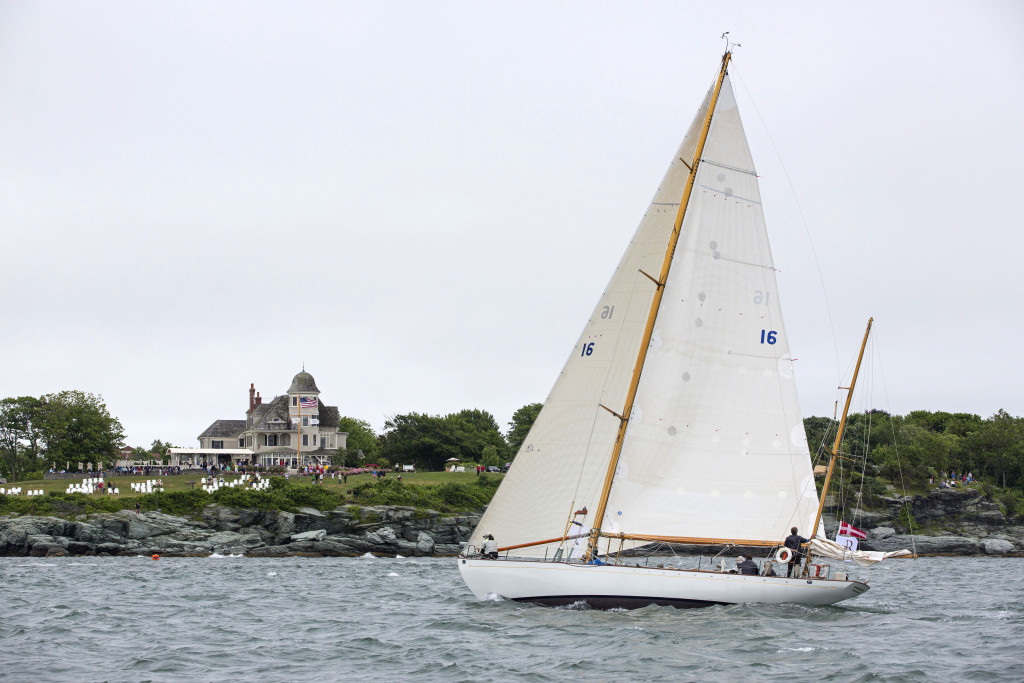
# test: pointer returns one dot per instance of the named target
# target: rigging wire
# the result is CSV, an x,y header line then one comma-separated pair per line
x,y
896,450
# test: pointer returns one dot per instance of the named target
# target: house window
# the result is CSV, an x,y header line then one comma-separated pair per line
x,y
216,444
248,440
295,400
305,421
305,439
270,439
241,442
323,442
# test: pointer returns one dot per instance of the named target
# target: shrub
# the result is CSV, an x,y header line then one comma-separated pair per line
x,y
906,519
1013,503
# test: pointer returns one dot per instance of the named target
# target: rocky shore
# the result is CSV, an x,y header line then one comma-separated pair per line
x,y
946,522
955,521
345,531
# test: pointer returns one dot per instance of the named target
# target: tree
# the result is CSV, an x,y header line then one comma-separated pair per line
x,y
519,427
999,443
160,447
475,430
427,441
75,425
490,457
361,437
19,422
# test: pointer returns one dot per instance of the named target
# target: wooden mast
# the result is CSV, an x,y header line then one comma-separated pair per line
x,y
839,434
653,315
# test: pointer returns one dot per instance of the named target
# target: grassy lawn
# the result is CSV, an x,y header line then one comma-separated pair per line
x,y
186,481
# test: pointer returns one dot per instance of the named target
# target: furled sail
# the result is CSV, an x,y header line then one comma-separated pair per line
x,y
562,463
822,547
715,446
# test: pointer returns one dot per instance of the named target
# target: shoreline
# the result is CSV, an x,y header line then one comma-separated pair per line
x,y
955,524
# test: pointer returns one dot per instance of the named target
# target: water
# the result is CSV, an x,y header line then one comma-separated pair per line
x,y
369,619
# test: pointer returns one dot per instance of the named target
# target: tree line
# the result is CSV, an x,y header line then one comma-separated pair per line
x,y
429,441
69,426
914,449
923,447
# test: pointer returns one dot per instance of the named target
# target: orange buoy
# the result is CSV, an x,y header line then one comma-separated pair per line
x,y
156,557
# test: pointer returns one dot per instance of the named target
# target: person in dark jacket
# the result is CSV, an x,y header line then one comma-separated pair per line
x,y
745,565
793,542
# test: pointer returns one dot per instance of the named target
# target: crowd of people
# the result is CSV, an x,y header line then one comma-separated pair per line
x,y
952,480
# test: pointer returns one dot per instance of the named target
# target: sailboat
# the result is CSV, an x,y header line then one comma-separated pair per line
x,y
675,419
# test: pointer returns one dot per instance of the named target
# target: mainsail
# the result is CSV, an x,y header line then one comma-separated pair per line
x,y
715,446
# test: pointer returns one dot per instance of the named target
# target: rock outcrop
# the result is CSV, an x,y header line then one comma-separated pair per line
x,y
946,522
344,531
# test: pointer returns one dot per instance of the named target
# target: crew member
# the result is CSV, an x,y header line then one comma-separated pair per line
x,y
793,542
490,549
745,565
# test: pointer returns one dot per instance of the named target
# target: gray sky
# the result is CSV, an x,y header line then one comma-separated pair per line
x,y
422,202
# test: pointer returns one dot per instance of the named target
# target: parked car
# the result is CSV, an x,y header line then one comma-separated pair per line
x,y
492,468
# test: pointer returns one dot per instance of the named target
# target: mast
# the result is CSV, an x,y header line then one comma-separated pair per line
x,y
645,343
839,433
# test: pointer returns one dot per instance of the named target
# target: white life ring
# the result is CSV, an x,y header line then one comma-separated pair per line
x,y
784,555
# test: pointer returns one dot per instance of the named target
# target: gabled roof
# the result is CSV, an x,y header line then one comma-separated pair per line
x,y
262,414
224,428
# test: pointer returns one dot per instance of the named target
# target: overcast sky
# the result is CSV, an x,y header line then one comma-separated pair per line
x,y
422,201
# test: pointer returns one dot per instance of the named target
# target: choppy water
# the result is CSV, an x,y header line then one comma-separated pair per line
x,y
366,619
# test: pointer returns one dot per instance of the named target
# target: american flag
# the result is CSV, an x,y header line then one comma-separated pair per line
x,y
850,530
307,402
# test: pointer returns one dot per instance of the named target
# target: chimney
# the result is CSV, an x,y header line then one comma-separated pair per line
x,y
259,401
252,394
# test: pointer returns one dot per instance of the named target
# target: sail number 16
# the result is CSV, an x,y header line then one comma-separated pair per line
x,y
768,336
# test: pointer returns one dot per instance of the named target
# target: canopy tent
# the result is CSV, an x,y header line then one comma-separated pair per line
x,y
212,456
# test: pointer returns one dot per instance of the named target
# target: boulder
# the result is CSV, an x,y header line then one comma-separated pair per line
x,y
925,545
996,546
424,544
315,535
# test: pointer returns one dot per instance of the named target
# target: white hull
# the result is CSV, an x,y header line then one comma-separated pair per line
x,y
610,586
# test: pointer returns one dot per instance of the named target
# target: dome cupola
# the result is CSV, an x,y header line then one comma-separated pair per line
x,y
303,383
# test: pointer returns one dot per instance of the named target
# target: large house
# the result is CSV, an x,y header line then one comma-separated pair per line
x,y
291,430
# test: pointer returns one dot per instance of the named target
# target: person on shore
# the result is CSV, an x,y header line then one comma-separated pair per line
x,y
490,549
793,542
344,477
137,508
